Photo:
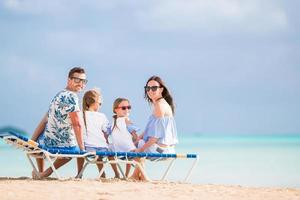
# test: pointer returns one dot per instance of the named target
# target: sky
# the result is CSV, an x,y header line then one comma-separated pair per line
x,y
233,67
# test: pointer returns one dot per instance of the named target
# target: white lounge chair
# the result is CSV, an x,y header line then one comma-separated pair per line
x,y
35,150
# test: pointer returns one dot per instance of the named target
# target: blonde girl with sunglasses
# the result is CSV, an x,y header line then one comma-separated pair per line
x,y
95,128
123,132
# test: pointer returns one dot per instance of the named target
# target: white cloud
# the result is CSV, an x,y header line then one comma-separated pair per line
x,y
54,7
35,6
172,15
213,15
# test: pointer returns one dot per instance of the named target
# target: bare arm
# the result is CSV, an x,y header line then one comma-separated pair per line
x,y
75,119
134,136
40,128
141,136
137,138
158,110
105,136
151,141
162,108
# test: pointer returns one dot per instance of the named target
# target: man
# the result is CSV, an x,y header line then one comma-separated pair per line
x,y
61,125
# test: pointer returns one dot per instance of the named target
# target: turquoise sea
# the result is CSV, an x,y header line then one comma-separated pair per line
x,y
268,161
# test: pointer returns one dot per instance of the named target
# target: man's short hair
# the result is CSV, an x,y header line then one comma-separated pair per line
x,y
76,70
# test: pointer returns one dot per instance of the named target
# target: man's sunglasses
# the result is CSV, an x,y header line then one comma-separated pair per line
x,y
153,88
78,80
125,107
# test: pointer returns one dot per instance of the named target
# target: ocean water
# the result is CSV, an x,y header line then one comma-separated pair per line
x,y
259,161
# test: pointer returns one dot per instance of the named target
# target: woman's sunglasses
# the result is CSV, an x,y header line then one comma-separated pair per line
x,y
153,88
125,107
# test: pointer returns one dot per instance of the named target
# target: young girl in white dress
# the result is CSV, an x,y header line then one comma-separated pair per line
x,y
123,132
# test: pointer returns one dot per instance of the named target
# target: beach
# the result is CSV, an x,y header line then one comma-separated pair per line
x,y
112,189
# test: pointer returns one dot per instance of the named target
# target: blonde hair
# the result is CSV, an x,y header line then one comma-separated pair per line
x,y
116,104
90,97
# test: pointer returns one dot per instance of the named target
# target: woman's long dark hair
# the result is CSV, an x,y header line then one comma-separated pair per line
x,y
165,94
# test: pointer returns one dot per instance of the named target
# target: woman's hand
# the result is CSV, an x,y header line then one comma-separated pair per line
x,y
150,142
138,150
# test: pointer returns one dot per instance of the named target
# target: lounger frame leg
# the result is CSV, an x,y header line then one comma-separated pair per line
x,y
103,162
102,171
82,170
115,161
121,170
52,165
168,169
35,170
191,169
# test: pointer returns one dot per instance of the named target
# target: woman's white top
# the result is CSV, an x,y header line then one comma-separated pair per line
x,y
120,136
96,124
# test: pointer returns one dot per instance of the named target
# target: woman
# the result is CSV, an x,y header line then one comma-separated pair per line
x,y
160,135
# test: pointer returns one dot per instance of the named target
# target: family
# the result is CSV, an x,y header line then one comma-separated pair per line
x,y
66,126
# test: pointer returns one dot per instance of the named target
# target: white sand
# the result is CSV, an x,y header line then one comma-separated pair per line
x,y
116,189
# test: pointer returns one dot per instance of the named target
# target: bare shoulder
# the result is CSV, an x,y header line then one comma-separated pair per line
x,y
158,110
162,108
127,121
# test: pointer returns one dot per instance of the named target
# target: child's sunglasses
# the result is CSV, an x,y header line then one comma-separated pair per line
x,y
125,107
